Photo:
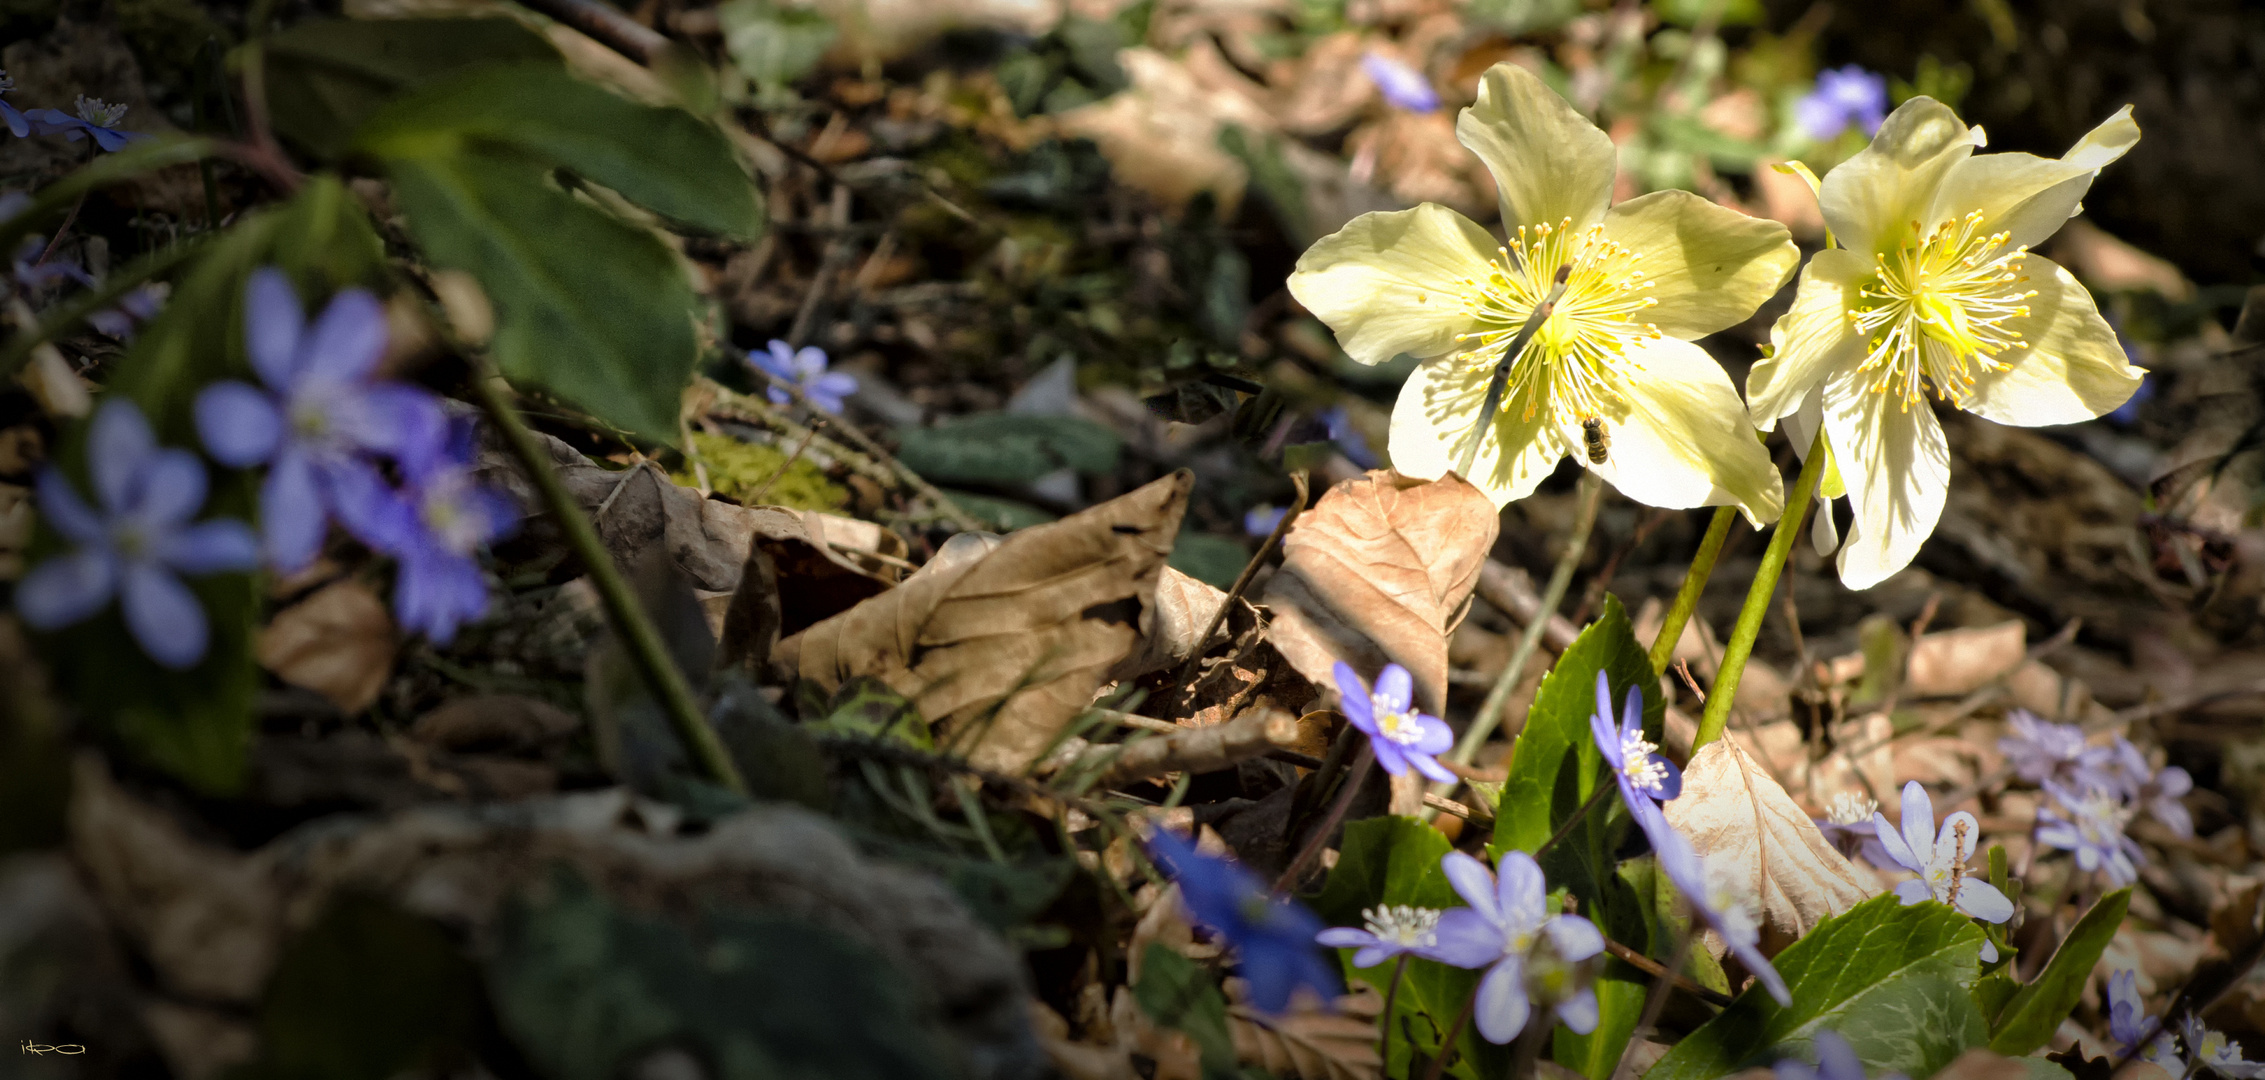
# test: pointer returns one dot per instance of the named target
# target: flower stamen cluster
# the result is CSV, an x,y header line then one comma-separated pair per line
x,y
1640,762
1938,311
1403,925
1849,808
1580,351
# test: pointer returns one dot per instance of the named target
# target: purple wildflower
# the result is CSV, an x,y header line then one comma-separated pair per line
x,y
1399,735
1642,772
320,422
1531,957
96,118
452,516
1261,520
1389,932
1836,1060
2213,1051
2089,825
2040,750
1847,825
1273,934
18,124
806,369
1403,87
1715,897
138,306
2135,1032
136,543
1939,858
2129,772
32,274
1843,96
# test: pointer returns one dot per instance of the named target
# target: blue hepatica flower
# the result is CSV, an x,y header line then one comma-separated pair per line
x,y
805,368
1387,932
1273,934
1261,520
1637,765
1847,826
452,517
135,543
1836,1060
2089,823
1399,735
1531,957
138,306
2040,750
1939,858
18,124
1403,87
2158,792
320,421
1715,897
1843,96
32,274
2134,1032
97,119
2213,1051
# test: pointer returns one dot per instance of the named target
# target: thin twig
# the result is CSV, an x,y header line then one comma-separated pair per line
x,y
1566,829
1298,479
800,446
608,27
1656,970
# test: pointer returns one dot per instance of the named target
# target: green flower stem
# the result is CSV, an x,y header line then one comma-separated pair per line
x,y
1482,725
1694,583
1454,1031
629,619
1741,644
1391,995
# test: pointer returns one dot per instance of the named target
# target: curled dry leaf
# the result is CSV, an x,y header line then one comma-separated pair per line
x,y
1003,647
1307,1042
1962,661
1736,816
1377,572
1172,624
338,642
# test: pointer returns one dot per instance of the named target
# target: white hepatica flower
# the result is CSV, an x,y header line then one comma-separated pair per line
x,y
1642,279
1936,289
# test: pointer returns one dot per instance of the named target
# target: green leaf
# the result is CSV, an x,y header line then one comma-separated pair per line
x,y
2030,1019
585,304
865,706
773,45
586,988
326,76
1214,560
1177,994
665,160
1895,981
1006,449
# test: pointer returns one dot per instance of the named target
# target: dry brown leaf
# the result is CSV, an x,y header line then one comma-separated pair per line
x,y
1307,1042
1736,815
1327,88
1172,623
1980,1064
1002,649
338,643
1377,572
1956,662
1161,136
494,723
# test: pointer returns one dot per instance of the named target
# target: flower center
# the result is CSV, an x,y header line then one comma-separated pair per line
x,y
449,518
131,540
1939,310
100,113
1398,725
1580,350
1849,808
2099,818
1405,926
1637,763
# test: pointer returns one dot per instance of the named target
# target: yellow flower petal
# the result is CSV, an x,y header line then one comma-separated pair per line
x,y
2074,368
1871,200
1710,266
1549,162
1811,341
1436,415
2029,196
1681,439
1896,464
1392,283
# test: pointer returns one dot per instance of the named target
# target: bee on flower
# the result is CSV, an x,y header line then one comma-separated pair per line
x,y
1935,293
1577,331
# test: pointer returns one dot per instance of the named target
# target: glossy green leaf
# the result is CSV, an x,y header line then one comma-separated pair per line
x,y
665,160
326,76
1896,981
586,304
1177,994
2030,1019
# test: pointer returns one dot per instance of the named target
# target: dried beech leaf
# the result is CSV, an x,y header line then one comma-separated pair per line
x,y
1306,1042
1000,649
1172,624
1958,662
338,643
1735,814
1376,572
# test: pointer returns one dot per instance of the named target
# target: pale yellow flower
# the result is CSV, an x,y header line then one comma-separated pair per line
x,y
1935,289
1643,279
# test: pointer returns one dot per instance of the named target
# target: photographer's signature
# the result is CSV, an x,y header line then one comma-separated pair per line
x,y
47,1048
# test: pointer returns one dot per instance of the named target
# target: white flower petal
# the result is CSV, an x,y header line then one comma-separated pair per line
x,y
1896,464
1710,266
1549,162
1872,200
1437,414
1810,341
1392,283
2074,368
2029,196
1682,439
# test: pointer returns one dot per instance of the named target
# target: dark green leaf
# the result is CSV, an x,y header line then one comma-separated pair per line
x,y
665,160
1006,449
1214,560
1001,515
2029,1020
585,987
1896,981
866,707
1177,994
368,992
585,304
325,77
